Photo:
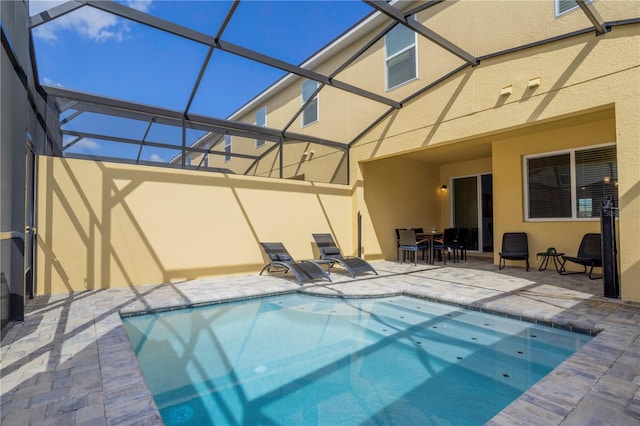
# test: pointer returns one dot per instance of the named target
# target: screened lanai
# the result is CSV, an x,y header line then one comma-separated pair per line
x,y
148,147
207,112
253,89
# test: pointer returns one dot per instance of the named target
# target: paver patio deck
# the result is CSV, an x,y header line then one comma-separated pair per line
x,y
71,362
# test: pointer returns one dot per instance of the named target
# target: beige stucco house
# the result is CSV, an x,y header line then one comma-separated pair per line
x,y
527,111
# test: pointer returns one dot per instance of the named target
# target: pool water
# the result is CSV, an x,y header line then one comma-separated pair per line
x,y
303,360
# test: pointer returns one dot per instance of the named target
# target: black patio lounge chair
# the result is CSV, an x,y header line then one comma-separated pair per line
x,y
589,254
515,246
279,257
330,251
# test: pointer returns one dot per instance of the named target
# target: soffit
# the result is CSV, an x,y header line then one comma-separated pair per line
x,y
481,147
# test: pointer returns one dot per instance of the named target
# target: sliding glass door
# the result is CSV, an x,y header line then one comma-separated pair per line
x,y
472,210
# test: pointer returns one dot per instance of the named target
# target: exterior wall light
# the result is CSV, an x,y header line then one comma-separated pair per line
x,y
443,188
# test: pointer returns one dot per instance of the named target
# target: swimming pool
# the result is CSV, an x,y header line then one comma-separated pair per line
x,y
298,359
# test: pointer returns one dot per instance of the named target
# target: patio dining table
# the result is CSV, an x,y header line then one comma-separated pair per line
x,y
429,236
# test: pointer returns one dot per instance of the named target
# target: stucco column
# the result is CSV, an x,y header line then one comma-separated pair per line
x,y
628,140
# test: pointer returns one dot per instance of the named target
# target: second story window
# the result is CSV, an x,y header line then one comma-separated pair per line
x,y
261,120
400,56
310,113
564,6
227,148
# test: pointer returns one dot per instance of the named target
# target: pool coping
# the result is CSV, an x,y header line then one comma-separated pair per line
x,y
567,323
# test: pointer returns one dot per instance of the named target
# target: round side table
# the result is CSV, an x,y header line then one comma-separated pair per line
x,y
545,260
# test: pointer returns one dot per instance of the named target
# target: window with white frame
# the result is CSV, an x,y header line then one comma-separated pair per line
x,y
261,120
227,148
564,6
400,56
570,184
310,113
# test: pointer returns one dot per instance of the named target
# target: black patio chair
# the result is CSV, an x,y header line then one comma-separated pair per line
x,y
589,254
447,245
462,235
397,242
330,251
515,246
409,243
280,258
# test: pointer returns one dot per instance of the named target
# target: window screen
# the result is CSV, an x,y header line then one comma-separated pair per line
x,y
400,48
227,147
549,186
401,68
310,113
551,193
564,6
398,39
596,179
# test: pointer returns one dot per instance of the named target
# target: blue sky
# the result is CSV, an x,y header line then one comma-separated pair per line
x,y
95,52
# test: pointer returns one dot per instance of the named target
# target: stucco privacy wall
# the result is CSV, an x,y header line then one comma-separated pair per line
x,y
399,193
104,225
578,75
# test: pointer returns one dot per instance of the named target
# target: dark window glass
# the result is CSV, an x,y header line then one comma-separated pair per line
x,y
310,113
261,120
549,186
400,56
401,68
227,147
596,180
